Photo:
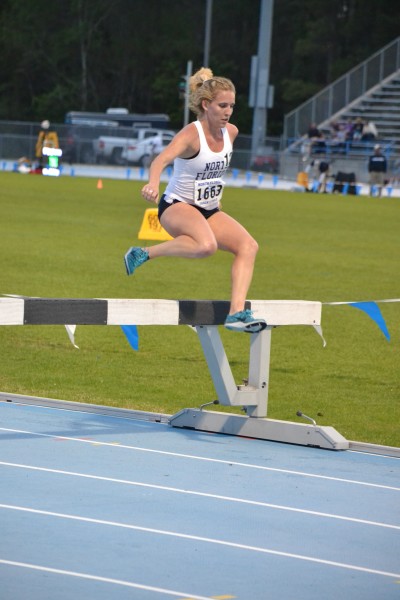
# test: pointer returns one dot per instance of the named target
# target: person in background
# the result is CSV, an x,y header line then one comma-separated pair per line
x,y
155,146
24,165
369,132
377,168
46,138
358,129
316,139
338,136
190,209
323,174
349,129
318,171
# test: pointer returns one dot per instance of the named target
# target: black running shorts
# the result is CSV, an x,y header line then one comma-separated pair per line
x,y
163,205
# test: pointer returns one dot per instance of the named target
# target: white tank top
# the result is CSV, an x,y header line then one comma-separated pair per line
x,y
198,180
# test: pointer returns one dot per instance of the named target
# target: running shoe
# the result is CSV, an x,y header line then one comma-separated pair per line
x,y
245,321
134,258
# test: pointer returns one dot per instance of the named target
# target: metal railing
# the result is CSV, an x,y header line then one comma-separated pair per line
x,y
345,90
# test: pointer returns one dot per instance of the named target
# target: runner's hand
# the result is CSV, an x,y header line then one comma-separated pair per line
x,y
150,194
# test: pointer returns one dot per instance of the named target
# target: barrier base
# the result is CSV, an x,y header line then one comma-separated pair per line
x,y
260,428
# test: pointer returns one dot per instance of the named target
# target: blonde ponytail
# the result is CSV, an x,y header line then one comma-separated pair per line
x,y
204,86
199,78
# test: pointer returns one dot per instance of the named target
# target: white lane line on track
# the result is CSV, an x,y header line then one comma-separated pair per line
x,y
206,459
203,495
206,540
130,584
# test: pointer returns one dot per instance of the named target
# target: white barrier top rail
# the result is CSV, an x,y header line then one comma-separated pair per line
x,y
98,311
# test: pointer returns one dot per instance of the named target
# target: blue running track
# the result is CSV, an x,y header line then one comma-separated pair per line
x,y
99,507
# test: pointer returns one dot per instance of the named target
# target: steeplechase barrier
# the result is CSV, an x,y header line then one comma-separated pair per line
x,y
204,316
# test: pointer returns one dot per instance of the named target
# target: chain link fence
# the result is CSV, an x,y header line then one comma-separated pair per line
x,y
79,145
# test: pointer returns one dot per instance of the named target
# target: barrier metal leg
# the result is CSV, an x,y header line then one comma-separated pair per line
x,y
253,396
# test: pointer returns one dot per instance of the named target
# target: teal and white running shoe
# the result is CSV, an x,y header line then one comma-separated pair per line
x,y
245,321
134,258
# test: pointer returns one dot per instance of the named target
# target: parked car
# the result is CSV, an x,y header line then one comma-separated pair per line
x,y
135,149
265,164
77,144
84,129
143,151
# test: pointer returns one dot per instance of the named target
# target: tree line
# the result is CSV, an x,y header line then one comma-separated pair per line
x,y
93,54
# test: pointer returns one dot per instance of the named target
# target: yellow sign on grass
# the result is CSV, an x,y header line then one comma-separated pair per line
x,y
151,228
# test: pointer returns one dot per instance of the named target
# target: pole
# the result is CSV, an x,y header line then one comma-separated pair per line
x,y
207,35
262,76
189,70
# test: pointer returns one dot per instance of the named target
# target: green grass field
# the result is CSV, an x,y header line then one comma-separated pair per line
x,y
65,238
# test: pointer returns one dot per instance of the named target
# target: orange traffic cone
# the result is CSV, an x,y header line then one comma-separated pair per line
x,y
99,184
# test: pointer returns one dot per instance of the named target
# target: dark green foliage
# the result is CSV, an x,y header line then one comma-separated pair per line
x,y
93,54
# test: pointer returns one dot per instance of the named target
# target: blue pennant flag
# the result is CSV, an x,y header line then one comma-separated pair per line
x,y
132,335
373,311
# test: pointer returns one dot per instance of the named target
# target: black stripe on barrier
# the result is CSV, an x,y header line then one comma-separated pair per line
x,y
204,312
62,311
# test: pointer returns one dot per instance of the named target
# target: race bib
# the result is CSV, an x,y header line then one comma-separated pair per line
x,y
208,193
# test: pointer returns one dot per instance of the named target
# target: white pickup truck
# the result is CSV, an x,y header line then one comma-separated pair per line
x,y
136,149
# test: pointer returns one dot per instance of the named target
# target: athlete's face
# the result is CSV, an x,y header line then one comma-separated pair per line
x,y
220,109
